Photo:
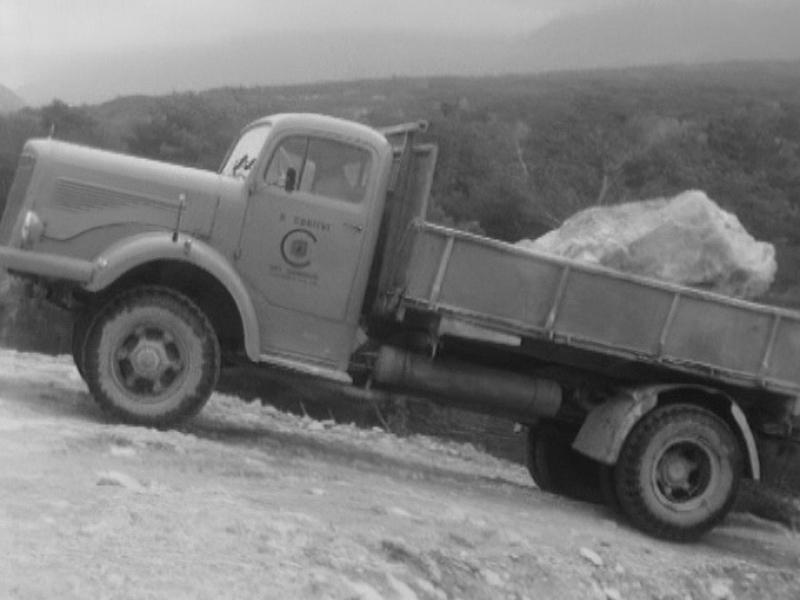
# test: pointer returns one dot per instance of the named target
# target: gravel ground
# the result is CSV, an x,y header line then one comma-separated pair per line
x,y
249,502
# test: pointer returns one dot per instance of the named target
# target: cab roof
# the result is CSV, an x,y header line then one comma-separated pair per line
x,y
341,128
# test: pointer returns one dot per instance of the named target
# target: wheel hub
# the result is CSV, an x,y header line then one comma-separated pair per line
x,y
148,361
683,472
676,471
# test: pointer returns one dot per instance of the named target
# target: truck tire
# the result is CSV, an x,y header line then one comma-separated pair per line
x,y
608,488
151,357
80,330
678,472
555,467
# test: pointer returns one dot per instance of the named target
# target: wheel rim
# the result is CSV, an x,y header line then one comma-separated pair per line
x,y
686,471
149,362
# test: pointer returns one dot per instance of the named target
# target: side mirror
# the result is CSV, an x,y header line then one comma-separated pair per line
x,y
291,179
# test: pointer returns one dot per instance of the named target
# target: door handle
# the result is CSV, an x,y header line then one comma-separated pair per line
x,y
354,227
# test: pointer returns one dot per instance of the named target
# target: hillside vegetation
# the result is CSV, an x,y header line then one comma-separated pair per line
x,y
517,154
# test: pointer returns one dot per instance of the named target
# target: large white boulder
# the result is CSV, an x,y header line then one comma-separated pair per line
x,y
687,239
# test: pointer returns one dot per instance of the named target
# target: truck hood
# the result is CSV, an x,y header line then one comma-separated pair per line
x,y
83,188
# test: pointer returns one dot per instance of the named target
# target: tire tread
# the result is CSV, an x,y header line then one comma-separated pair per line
x,y
556,468
629,492
172,300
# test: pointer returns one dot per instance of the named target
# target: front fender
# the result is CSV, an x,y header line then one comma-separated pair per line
x,y
607,426
138,250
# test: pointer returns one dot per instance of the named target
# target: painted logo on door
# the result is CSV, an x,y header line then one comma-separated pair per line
x,y
297,248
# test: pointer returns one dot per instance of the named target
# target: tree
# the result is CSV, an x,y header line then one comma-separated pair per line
x,y
183,129
481,178
63,122
15,129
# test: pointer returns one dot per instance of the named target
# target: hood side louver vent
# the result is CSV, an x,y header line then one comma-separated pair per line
x,y
82,197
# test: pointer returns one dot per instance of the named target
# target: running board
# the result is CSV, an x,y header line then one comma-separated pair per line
x,y
305,368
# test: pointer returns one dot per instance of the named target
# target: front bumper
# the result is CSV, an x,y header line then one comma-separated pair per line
x,y
51,266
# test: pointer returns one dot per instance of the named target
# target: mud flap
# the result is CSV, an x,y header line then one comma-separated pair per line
x,y
607,426
604,431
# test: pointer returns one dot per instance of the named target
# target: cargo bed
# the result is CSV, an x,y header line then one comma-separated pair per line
x,y
503,288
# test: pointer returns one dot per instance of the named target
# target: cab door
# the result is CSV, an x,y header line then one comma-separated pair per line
x,y
306,241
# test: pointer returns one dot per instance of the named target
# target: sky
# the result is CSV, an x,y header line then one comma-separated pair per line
x,y
34,33
94,50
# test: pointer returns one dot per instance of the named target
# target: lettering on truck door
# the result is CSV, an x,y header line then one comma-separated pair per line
x,y
304,235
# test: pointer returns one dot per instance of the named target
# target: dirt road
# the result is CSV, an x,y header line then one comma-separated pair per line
x,y
248,502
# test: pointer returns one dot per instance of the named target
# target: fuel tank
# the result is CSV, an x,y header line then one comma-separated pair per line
x,y
465,385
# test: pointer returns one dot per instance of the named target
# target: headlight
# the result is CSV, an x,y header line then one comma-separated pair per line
x,y
32,229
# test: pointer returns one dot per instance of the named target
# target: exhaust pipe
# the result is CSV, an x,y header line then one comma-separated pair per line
x,y
468,386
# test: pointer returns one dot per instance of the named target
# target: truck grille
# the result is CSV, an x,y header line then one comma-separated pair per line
x,y
16,196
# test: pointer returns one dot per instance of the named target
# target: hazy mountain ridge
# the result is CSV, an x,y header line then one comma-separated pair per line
x,y
687,31
636,34
9,101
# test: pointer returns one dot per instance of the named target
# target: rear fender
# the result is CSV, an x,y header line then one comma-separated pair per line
x,y
607,426
132,252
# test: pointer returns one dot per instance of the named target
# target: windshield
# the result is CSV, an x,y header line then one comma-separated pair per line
x,y
244,154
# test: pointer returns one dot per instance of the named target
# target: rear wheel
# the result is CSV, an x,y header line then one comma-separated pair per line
x,y
151,357
678,472
555,467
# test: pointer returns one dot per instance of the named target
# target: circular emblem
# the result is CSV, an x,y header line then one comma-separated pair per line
x,y
297,248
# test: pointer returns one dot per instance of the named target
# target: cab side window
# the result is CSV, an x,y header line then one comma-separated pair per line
x,y
319,166
289,156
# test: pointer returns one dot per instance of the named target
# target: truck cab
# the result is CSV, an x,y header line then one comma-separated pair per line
x,y
314,197
285,250
276,247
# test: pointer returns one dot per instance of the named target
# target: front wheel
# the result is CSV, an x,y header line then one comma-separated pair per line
x,y
678,472
151,357
80,329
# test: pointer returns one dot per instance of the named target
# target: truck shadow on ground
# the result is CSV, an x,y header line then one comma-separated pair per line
x,y
303,444
756,540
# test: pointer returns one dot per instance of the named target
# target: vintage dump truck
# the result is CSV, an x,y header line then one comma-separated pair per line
x,y
310,251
